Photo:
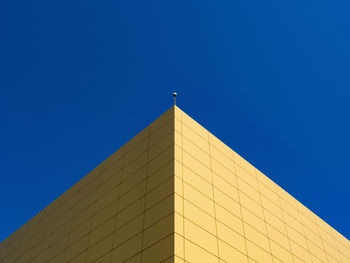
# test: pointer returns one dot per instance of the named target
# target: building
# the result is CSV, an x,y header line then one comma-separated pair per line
x,y
175,193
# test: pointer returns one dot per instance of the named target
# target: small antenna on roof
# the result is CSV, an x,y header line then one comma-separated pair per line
x,y
174,95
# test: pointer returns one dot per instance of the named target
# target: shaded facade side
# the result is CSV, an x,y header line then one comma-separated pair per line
x,y
228,211
123,211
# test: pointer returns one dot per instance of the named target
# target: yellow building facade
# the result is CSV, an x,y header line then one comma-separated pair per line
x,y
175,193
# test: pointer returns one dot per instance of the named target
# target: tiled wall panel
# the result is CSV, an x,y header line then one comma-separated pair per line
x,y
228,211
123,211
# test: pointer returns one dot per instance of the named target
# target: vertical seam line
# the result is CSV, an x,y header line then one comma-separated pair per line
x,y
144,206
212,190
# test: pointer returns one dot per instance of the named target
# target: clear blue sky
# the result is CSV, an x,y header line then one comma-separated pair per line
x,y
80,78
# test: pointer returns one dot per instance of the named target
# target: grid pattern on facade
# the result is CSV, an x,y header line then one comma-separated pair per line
x,y
175,193
123,211
228,211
